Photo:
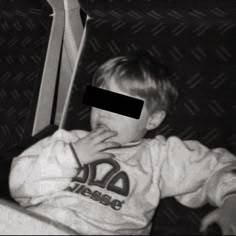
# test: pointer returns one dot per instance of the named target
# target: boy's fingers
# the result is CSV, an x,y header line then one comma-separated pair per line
x,y
104,155
233,230
211,218
228,232
107,145
103,136
98,131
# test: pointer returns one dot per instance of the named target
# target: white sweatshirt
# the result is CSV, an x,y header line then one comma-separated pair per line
x,y
119,195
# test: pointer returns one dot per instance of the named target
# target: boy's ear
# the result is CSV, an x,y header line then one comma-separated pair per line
x,y
155,120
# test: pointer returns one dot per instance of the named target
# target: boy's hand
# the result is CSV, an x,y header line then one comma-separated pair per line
x,y
91,147
225,217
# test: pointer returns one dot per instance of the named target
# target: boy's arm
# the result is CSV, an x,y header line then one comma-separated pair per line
x,y
44,168
195,174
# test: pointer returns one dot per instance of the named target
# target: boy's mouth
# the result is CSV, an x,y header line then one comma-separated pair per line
x,y
107,128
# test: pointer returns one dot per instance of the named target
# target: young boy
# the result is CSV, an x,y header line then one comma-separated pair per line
x,y
110,180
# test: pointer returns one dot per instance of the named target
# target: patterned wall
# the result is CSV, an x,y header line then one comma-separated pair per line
x,y
195,38
24,33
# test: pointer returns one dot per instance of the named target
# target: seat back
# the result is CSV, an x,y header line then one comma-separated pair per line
x,y
27,29
196,39
30,43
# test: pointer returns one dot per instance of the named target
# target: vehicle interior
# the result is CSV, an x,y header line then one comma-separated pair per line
x,y
49,51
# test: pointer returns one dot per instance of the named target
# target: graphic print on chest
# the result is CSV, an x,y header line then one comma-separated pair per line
x,y
105,174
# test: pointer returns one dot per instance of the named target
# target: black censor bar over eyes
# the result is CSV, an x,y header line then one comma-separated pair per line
x,y
113,102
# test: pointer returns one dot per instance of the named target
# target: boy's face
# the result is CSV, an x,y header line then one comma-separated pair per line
x,y
128,129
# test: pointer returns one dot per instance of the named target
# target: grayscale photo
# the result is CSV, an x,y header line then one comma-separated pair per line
x,y
118,117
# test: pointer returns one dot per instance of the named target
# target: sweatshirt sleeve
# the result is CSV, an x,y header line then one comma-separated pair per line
x,y
45,168
193,173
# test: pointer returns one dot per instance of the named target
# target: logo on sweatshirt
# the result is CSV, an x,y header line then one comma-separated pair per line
x,y
105,174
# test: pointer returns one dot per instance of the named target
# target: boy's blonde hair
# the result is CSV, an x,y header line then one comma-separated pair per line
x,y
138,74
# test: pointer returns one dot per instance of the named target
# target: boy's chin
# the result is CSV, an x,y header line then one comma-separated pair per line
x,y
113,139
116,139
